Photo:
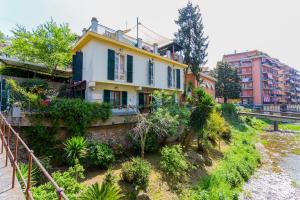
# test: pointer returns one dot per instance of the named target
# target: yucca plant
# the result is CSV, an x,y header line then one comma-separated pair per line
x,y
76,148
106,191
24,172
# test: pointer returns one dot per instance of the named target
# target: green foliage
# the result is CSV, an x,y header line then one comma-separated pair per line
x,y
137,172
255,123
19,94
49,44
191,37
239,163
75,148
77,114
104,192
100,154
174,163
228,81
41,139
229,111
203,105
66,180
77,171
109,177
36,86
290,127
24,168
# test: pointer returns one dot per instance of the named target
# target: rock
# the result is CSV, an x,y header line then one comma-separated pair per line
x,y
143,196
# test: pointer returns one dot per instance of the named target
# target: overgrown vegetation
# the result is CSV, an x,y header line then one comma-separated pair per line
x,y
239,163
100,154
137,172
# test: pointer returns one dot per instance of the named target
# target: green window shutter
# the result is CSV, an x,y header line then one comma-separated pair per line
x,y
129,68
111,65
124,98
178,78
106,97
169,77
141,100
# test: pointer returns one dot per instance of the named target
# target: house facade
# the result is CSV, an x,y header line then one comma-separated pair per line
x,y
123,71
208,82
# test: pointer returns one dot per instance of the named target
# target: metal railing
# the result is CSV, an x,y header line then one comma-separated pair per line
x,y
7,133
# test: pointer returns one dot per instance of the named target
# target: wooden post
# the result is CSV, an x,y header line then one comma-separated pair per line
x,y
276,125
6,147
29,174
2,136
15,161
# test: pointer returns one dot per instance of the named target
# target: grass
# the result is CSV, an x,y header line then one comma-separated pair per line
x,y
289,127
239,163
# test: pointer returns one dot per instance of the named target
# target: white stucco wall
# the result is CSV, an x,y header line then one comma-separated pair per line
x,y
95,66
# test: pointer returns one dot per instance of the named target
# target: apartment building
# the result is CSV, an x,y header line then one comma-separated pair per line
x,y
123,70
265,80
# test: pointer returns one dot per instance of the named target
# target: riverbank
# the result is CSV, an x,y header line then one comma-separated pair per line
x,y
278,178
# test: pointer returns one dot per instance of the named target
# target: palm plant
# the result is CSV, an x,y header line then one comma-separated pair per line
x,y
106,191
76,148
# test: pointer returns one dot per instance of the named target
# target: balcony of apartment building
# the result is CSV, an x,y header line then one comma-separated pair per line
x,y
245,71
246,94
247,86
245,64
246,80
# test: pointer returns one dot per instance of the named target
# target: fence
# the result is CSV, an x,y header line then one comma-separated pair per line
x,y
7,135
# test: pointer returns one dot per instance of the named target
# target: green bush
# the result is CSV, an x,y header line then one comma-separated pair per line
x,y
66,180
229,111
137,172
77,114
174,163
100,154
75,148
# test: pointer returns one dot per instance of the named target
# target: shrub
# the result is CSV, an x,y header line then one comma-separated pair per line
x,y
104,192
77,114
75,148
35,86
24,172
229,111
65,180
100,154
109,177
137,172
173,162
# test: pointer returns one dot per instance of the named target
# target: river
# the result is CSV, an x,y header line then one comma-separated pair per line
x,y
278,178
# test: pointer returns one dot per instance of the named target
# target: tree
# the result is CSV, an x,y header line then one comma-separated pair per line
x,y
2,38
75,148
49,44
228,81
190,36
202,107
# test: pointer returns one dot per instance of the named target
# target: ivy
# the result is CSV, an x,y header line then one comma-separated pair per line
x,y
76,114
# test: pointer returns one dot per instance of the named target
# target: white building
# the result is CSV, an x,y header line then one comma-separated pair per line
x,y
124,71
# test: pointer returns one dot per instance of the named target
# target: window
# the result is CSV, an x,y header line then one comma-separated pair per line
x,y
119,67
151,73
171,77
116,98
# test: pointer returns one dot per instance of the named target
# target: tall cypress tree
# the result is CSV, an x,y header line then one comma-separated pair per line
x,y
190,36
228,81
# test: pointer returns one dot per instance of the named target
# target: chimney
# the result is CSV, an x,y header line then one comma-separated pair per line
x,y
94,26
84,31
119,35
139,43
155,48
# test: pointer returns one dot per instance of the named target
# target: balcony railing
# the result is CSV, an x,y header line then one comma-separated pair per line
x,y
7,134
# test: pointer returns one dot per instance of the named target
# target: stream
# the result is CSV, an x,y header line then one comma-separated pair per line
x,y
278,178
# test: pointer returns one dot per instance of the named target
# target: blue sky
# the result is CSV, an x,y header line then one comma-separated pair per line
x,y
272,26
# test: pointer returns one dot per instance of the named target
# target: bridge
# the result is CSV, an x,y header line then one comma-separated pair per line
x,y
275,116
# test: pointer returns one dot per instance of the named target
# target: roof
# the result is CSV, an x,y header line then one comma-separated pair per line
x,y
95,36
172,46
33,67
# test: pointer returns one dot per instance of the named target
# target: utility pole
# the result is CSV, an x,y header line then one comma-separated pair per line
x,y
137,29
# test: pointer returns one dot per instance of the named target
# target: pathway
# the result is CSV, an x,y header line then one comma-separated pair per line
x,y
6,192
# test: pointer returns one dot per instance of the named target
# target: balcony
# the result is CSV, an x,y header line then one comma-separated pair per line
x,y
246,80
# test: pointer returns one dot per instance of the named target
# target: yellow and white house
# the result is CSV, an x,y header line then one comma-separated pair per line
x,y
123,71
